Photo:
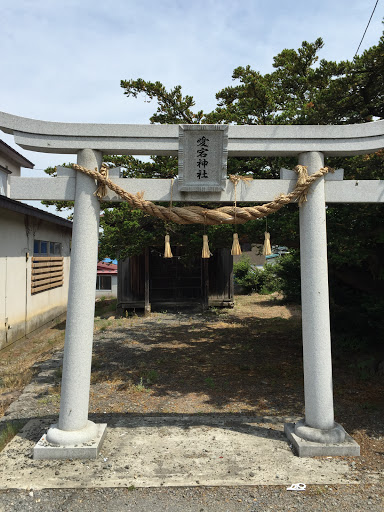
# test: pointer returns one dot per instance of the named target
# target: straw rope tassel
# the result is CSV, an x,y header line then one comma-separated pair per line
x,y
167,245
205,253
236,249
167,248
267,244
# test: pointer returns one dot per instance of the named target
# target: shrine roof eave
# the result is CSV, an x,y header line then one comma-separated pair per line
x,y
244,140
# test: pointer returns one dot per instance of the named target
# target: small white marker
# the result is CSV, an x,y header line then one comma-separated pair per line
x,y
297,487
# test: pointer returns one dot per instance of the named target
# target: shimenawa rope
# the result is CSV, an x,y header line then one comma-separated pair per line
x,y
199,215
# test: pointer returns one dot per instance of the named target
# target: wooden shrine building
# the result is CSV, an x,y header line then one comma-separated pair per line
x,y
173,282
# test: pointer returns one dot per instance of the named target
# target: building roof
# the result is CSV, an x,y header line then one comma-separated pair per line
x,y
15,156
106,268
26,209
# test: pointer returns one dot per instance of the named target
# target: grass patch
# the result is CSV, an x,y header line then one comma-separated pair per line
x,y
104,305
8,432
51,399
19,361
102,324
13,381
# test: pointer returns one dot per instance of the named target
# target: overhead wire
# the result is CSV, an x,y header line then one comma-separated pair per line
x,y
366,28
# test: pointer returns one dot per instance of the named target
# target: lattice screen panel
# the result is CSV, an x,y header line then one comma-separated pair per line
x,y
47,273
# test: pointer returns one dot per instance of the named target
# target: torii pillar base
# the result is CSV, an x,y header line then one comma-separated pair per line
x,y
79,444
328,443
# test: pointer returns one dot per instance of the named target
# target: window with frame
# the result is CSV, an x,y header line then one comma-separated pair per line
x,y
104,283
46,248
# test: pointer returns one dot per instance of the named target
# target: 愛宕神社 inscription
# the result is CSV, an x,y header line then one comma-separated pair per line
x,y
203,153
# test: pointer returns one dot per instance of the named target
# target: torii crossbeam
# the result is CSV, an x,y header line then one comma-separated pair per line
x,y
317,434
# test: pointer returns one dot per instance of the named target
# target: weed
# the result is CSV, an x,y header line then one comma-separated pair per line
x,y
9,431
51,399
213,311
58,374
209,382
141,387
152,376
102,325
320,490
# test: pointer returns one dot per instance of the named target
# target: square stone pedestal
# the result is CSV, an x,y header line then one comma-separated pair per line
x,y
348,448
88,450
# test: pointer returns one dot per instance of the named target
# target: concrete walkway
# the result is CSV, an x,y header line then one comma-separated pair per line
x,y
155,451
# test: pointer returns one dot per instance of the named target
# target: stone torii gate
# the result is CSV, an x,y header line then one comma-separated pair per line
x,y
317,434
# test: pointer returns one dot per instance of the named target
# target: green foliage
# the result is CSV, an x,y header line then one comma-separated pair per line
x,y
60,205
302,90
159,167
173,107
253,279
126,232
288,273
270,280
246,276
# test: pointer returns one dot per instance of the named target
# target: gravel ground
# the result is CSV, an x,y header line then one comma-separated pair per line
x,y
200,499
168,394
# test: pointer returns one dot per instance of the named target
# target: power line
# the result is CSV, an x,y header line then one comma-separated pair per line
x,y
366,28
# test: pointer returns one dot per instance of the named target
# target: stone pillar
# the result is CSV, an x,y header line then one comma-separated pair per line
x,y
73,427
315,302
319,425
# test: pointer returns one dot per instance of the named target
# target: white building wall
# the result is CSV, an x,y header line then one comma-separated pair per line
x,y
109,293
114,286
6,162
49,304
4,187
20,311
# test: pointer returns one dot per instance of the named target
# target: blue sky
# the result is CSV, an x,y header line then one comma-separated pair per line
x,y
63,60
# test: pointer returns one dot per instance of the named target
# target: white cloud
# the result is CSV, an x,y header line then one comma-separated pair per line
x,y
63,60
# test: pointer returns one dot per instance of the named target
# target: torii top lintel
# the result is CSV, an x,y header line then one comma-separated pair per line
x,y
246,140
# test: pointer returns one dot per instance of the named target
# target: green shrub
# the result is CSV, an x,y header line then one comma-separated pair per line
x,y
253,279
270,281
287,272
246,275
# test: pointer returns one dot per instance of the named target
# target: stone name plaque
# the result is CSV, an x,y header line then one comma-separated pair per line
x,y
203,153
